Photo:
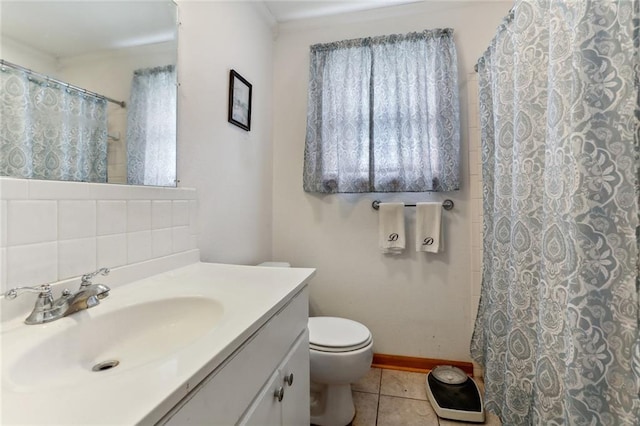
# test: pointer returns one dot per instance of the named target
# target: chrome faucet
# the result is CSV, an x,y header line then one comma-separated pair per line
x,y
47,309
89,294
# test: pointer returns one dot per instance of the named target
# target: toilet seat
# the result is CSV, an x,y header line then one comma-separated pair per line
x,y
332,334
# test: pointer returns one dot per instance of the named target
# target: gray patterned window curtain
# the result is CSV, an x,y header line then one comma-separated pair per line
x,y
50,132
557,327
383,115
151,127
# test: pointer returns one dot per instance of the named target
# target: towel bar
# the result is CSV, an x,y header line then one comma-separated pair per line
x,y
446,204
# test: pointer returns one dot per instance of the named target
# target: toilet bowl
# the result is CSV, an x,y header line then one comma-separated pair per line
x,y
340,352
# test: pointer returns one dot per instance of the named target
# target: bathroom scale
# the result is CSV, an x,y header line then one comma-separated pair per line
x,y
454,395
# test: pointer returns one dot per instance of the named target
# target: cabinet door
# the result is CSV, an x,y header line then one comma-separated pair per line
x,y
295,404
267,410
281,403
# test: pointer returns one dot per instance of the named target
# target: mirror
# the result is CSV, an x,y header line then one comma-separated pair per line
x,y
88,91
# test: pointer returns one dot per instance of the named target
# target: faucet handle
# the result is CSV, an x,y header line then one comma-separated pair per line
x,y
87,277
44,290
45,308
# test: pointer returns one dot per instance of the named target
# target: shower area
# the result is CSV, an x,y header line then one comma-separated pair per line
x,y
557,325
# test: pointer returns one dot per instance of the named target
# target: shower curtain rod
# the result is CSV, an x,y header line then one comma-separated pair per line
x,y
67,85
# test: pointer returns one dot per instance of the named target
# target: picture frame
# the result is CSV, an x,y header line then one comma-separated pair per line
x,y
240,93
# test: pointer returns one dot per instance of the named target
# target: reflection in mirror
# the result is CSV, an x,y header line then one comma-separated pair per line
x,y
88,91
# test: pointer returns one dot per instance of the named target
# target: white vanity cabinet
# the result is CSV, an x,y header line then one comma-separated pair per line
x,y
246,387
284,400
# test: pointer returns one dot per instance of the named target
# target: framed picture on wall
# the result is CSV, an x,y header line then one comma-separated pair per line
x,y
239,101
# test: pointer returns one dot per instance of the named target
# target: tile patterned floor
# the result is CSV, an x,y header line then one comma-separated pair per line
x,y
398,398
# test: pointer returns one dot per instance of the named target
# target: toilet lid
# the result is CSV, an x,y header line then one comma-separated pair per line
x,y
331,334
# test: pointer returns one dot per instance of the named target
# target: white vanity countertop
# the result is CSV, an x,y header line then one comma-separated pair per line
x,y
143,393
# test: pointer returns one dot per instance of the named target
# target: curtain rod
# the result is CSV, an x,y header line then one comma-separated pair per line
x,y
446,204
67,85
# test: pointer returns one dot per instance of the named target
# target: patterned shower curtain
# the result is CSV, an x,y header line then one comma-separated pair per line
x,y
151,127
50,132
557,327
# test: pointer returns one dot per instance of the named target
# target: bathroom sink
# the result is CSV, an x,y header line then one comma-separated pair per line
x,y
133,335
168,332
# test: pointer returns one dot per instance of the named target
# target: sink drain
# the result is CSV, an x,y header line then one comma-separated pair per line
x,y
106,365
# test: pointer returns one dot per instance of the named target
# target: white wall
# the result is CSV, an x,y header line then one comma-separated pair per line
x,y
28,57
415,304
230,168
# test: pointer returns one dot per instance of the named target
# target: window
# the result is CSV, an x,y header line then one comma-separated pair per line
x,y
383,115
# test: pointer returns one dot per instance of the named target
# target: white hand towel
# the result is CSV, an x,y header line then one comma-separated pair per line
x,y
391,238
429,227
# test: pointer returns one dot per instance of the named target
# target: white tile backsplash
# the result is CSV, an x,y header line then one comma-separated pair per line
x,y
3,223
161,242
112,251
193,217
53,190
115,192
32,264
30,221
138,246
14,189
474,162
138,215
56,230
475,169
476,239
180,213
76,219
181,239
3,270
476,187
161,211
76,257
474,140
112,217
477,279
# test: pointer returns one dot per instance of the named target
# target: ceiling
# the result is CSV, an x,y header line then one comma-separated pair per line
x,y
284,11
72,28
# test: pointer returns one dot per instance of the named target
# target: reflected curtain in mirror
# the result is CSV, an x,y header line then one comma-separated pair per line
x,y
151,127
48,131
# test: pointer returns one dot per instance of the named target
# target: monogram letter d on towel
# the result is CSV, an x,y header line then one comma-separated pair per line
x,y
391,238
429,227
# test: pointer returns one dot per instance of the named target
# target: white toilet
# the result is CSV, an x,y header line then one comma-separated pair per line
x,y
340,353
